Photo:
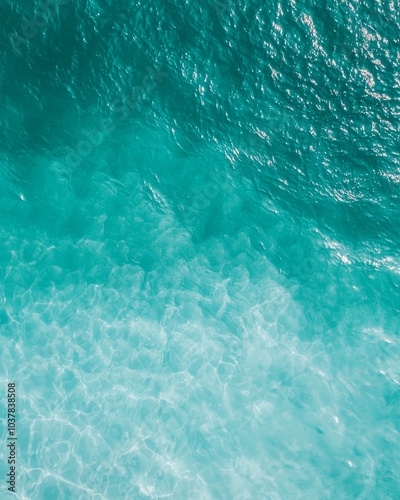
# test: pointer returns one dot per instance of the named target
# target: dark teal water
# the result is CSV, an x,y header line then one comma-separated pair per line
x,y
199,260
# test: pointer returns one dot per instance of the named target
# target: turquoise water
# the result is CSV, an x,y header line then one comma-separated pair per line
x,y
199,260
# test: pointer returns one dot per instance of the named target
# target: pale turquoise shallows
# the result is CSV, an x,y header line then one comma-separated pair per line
x,y
199,260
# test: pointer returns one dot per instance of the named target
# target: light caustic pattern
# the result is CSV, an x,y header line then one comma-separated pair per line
x,y
199,271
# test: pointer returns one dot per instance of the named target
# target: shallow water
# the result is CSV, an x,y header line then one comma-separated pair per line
x,y
199,261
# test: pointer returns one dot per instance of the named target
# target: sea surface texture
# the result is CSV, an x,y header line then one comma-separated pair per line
x,y
199,248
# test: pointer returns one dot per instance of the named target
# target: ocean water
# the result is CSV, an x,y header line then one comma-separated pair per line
x,y
199,260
